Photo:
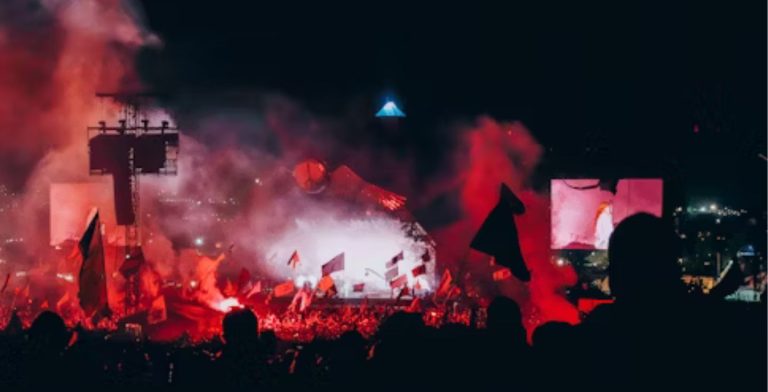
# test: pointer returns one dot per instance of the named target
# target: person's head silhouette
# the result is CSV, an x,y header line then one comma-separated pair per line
x,y
642,254
241,327
48,332
504,318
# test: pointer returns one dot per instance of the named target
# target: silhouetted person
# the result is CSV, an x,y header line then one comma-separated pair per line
x,y
400,337
654,336
14,326
347,361
241,363
43,361
555,349
507,353
643,268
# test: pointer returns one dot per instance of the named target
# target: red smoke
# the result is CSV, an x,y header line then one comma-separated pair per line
x,y
507,153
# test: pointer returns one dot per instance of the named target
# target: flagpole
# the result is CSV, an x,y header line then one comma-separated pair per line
x,y
376,273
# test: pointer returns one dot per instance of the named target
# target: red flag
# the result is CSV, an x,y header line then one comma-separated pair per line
x,y
358,288
403,291
157,311
453,292
325,283
445,284
420,270
63,300
335,264
502,274
284,289
391,273
243,279
93,280
415,306
399,281
393,261
254,290
294,260
5,284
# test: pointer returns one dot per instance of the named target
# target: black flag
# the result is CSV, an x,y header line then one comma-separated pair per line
x,y
498,235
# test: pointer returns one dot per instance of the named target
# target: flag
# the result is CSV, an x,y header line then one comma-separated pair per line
x,y
391,273
331,292
417,286
335,264
294,260
5,283
393,261
157,311
419,270
243,280
399,281
498,234
415,306
93,281
284,289
63,300
445,284
403,291
254,290
358,288
325,283
453,292
502,274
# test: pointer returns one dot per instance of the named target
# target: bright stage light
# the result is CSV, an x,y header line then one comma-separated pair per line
x,y
367,244
199,241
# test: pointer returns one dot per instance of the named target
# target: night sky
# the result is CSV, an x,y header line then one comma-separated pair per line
x,y
606,83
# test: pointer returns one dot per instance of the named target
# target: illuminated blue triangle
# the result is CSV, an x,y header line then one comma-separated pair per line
x,y
390,110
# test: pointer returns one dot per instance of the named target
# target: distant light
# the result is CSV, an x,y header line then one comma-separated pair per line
x,y
702,209
390,109
560,262
68,277
193,283
713,207
226,304
199,241
717,221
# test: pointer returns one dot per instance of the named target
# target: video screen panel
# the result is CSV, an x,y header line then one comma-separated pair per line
x,y
585,211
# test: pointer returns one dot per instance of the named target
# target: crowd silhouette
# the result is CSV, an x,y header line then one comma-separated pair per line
x,y
653,337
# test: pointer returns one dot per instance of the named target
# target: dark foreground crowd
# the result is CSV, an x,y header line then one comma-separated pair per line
x,y
653,337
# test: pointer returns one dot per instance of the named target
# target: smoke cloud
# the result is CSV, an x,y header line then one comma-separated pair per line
x,y
234,185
